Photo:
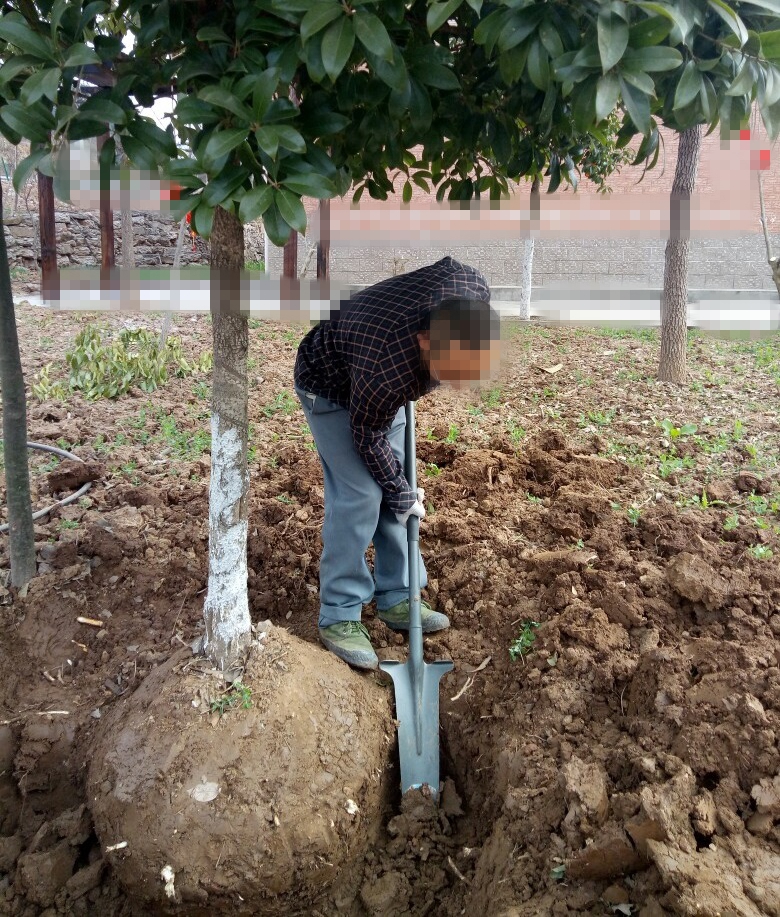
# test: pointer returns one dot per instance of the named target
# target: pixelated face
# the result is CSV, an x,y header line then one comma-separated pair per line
x,y
455,364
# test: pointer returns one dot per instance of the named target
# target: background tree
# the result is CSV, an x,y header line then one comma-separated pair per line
x,y
21,535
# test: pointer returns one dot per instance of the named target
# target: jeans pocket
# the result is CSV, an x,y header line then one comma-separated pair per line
x,y
316,404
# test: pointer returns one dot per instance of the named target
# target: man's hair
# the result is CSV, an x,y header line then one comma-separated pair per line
x,y
472,322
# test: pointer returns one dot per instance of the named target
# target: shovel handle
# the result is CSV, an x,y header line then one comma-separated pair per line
x,y
413,541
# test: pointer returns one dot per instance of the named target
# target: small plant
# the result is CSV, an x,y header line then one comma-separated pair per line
x,y
533,499
452,434
65,524
599,418
201,390
254,266
673,432
283,403
432,470
634,513
237,695
579,544
731,522
516,433
671,464
283,498
739,430
492,397
521,645
558,873
761,551
45,389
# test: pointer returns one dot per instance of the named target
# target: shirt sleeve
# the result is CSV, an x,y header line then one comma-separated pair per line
x,y
373,407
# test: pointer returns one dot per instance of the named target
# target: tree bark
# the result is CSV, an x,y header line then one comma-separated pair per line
x,y
107,247
48,236
290,264
774,263
226,610
21,534
323,246
674,299
526,266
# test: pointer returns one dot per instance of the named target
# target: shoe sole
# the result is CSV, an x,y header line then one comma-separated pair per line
x,y
431,628
356,658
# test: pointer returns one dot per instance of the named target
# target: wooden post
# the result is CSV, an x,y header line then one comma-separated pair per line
x,y
291,256
323,246
47,231
107,253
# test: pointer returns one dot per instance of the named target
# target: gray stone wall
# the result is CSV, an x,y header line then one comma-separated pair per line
x,y
716,264
78,240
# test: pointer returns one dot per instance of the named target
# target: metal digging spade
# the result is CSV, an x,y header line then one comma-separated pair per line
x,y
416,682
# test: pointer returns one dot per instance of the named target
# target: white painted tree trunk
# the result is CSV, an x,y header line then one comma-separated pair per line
x,y
526,279
226,610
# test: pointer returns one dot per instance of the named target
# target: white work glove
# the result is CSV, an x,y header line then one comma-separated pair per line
x,y
416,509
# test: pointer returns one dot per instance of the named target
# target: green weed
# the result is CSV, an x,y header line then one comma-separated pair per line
x,y
634,513
452,434
432,470
731,522
237,695
521,645
283,403
65,524
761,551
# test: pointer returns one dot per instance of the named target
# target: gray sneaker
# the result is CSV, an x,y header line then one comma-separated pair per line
x,y
349,640
397,617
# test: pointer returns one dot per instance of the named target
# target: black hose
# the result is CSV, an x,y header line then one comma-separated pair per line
x,y
71,499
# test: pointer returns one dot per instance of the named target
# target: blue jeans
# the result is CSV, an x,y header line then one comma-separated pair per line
x,y
355,515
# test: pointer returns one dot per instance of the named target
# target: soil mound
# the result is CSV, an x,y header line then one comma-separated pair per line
x,y
238,803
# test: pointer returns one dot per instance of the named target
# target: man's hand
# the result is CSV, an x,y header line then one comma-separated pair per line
x,y
417,509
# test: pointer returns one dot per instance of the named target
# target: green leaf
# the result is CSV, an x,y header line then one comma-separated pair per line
x,y
203,219
278,231
318,16
550,38
652,60
612,31
607,95
583,106
650,31
107,156
732,20
439,13
212,33
81,56
104,110
688,87
26,167
154,137
538,65
670,12
15,65
220,144
138,153
519,26
222,188
641,81
44,83
309,184
476,5
511,64
219,96
33,122
265,86
255,203
744,80
436,75
406,195
290,138
637,104
770,47
17,31
291,208
337,45
490,30
268,140
372,34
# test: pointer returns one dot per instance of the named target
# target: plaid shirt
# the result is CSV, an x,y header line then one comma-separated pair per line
x,y
367,360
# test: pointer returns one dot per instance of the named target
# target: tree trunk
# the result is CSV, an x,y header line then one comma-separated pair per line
x,y
226,611
526,265
774,263
674,299
107,247
290,263
50,285
323,246
21,534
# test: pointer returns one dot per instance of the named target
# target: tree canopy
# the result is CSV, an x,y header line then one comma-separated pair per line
x,y
279,99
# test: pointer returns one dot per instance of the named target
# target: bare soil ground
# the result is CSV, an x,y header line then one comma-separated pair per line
x,y
622,759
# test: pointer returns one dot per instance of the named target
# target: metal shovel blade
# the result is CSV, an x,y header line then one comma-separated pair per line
x,y
417,710
416,682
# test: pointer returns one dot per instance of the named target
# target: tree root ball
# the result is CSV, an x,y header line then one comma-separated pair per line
x,y
253,810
